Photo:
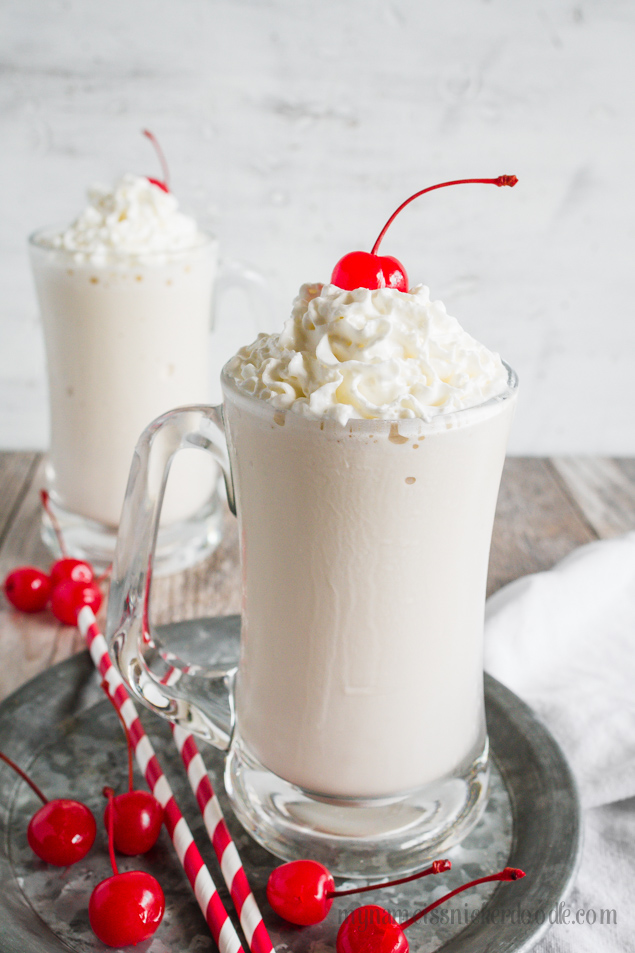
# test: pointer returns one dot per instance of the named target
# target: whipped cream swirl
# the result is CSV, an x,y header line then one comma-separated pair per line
x,y
134,218
380,354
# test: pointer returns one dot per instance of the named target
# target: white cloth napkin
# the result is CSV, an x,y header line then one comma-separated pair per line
x,y
564,641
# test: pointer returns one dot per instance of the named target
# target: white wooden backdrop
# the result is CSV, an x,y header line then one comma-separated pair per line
x,y
294,128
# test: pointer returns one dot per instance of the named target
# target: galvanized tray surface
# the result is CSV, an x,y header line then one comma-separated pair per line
x,y
60,728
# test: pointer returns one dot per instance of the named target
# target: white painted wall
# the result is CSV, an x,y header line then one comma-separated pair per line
x,y
296,127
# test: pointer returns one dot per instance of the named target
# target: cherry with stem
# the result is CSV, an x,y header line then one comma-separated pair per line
x,y
73,580
70,584
302,891
162,162
372,929
360,269
125,908
62,831
136,816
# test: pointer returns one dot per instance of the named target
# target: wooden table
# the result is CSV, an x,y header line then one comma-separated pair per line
x,y
546,508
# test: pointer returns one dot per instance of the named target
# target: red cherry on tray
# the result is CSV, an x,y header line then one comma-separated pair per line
x,y
302,891
138,820
76,570
372,929
138,815
72,580
126,908
28,589
70,596
62,831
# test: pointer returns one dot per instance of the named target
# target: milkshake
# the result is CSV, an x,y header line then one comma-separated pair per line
x,y
366,473
362,448
125,295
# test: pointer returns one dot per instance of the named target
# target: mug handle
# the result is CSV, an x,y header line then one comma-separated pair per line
x,y
238,274
197,698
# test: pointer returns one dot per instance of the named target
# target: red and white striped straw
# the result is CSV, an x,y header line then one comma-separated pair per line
x,y
225,849
209,901
230,863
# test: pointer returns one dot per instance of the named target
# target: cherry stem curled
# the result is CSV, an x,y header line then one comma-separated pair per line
x,y
436,868
159,151
24,776
106,689
46,503
509,873
110,794
510,180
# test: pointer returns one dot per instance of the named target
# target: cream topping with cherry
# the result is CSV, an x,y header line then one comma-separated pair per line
x,y
135,217
370,354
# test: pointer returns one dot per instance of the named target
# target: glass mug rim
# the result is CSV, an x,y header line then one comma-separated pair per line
x,y
405,425
40,239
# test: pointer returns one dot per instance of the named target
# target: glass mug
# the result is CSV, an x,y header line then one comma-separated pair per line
x,y
354,721
127,338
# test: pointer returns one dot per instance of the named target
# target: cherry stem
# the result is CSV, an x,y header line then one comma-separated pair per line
x,y
106,689
46,503
106,574
110,794
437,867
509,873
25,777
510,180
159,151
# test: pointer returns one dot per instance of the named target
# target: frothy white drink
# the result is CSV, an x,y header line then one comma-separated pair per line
x,y
125,296
367,444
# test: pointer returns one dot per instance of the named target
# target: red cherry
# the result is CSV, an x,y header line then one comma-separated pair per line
x,y
126,908
62,832
75,569
28,589
71,596
138,815
137,822
360,269
371,929
300,891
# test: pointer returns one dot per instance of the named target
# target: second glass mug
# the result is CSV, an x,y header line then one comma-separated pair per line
x,y
354,721
127,337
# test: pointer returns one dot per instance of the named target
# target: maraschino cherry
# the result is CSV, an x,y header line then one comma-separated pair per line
x,y
372,929
70,585
138,815
28,589
361,269
64,569
62,831
73,580
162,162
302,891
126,908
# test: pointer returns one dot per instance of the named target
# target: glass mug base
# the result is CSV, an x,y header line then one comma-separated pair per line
x,y
356,838
179,545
